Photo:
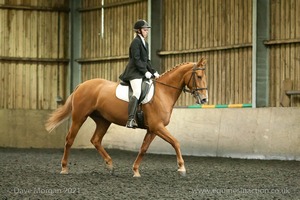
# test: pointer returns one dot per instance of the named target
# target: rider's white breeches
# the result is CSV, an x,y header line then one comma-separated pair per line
x,y
136,85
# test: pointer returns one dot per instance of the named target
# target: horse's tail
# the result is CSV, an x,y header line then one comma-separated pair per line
x,y
59,115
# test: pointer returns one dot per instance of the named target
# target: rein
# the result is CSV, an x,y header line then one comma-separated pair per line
x,y
168,85
184,89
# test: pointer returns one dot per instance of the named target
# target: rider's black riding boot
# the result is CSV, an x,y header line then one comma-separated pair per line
x,y
132,106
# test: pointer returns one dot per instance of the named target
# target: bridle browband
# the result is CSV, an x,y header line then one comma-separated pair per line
x,y
184,89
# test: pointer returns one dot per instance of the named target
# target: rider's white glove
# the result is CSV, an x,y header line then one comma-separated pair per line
x,y
156,75
148,75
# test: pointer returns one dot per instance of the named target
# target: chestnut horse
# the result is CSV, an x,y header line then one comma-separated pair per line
x,y
96,98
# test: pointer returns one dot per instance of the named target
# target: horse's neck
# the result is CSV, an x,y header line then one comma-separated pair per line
x,y
175,77
173,83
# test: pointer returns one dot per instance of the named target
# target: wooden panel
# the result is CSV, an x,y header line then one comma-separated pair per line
x,y
218,30
221,31
284,47
33,53
105,52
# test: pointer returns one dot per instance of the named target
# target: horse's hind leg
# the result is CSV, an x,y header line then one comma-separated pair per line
x,y
69,142
101,127
146,143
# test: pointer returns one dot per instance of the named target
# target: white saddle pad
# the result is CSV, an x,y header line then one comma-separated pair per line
x,y
122,92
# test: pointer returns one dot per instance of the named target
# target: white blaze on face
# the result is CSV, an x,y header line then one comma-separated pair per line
x,y
206,96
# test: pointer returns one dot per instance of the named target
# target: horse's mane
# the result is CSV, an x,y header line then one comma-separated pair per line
x,y
173,68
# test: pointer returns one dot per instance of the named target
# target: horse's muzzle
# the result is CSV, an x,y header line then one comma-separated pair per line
x,y
200,99
203,101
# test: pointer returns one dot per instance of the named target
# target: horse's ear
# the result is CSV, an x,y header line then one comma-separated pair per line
x,y
202,62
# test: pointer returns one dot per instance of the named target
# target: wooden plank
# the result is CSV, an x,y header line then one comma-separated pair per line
x,y
109,5
189,42
293,61
18,79
285,99
282,41
12,89
12,33
28,19
292,92
170,15
231,36
174,24
297,19
34,8
2,85
272,52
98,33
240,53
276,56
218,48
33,59
26,87
199,24
84,32
19,33
54,86
272,19
281,64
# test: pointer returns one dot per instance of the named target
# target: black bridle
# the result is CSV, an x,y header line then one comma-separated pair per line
x,y
192,78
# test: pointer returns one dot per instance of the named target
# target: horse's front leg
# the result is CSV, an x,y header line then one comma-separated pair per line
x,y
146,143
165,135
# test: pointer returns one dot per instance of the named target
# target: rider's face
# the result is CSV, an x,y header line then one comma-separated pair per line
x,y
145,32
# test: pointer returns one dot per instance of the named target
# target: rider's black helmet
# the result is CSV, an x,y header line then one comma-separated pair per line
x,y
141,24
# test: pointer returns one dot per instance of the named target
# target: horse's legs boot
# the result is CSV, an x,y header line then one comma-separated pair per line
x,y
132,106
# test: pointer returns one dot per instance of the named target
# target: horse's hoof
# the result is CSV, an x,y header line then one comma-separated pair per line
x,y
182,173
136,175
64,171
110,169
136,172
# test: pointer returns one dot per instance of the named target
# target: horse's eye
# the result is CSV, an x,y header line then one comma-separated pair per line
x,y
200,77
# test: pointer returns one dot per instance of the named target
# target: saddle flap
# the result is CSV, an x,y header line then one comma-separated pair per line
x,y
124,92
145,89
125,83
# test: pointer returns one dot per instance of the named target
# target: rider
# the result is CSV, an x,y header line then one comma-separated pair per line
x,y
139,66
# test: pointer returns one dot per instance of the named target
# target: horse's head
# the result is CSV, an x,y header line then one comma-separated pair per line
x,y
196,82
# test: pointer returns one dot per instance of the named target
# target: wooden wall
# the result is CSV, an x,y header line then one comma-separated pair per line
x,y
33,53
107,31
284,45
221,31
35,43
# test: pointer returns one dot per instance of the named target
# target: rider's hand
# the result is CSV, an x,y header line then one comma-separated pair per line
x,y
156,75
148,75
